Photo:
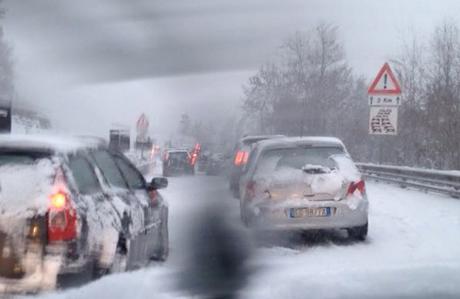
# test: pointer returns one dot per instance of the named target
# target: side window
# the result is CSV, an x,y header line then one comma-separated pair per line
x,y
84,175
133,177
109,169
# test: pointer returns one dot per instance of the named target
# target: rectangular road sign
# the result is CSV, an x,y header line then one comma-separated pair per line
x,y
383,120
384,100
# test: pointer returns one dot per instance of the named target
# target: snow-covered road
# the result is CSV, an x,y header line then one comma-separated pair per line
x,y
413,250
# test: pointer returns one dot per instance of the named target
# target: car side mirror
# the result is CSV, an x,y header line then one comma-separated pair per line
x,y
158,183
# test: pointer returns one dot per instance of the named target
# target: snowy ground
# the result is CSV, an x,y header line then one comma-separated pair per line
x,y
413,250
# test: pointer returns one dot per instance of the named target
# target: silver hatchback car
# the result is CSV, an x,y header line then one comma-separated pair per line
x,y
303,183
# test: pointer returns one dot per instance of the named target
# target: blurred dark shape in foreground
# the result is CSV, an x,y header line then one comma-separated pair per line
x,y
216,266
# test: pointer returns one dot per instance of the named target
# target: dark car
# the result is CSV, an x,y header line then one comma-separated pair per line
x,y
177,162
70,207
240,158
215,164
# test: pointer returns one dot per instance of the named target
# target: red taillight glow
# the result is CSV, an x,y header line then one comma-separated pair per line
x,y
58,200
359,185
62,219
195,153
241,158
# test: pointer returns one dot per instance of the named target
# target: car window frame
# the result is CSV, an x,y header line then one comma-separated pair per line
x,y
104,175
92,166
119,156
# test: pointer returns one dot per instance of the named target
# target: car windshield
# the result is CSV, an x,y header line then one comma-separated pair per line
x,y
16,157
178,156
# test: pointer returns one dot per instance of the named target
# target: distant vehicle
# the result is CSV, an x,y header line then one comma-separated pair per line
x,y
177,162
304,183
215,164
119,140
70,208
240,158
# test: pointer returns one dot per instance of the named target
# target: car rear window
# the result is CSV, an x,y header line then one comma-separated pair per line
x,y
297,158
20,158
26,180
182,156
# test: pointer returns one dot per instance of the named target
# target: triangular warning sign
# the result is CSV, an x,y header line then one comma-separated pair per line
x,y
385,82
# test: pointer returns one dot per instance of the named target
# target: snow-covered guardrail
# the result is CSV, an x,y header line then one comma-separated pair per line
x,y
446,182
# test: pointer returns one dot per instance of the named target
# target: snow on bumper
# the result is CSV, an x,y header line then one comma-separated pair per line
x,y
343,214
42,277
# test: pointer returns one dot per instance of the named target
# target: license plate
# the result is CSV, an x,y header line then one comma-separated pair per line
x,y
309,212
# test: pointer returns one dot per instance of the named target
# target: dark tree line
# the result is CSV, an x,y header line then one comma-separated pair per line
x,y
309,89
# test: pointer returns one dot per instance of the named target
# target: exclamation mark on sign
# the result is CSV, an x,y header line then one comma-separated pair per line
x,y
385,78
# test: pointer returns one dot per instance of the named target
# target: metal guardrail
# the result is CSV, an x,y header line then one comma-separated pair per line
x,y
445,182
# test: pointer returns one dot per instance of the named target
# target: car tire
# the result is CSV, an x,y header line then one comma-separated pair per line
x,y
163,250
358,233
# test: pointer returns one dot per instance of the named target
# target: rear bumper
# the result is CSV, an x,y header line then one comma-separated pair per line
x,y
40,269
42,276
344,214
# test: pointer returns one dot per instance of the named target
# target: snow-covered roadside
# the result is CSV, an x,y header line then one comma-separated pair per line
x,y
413,249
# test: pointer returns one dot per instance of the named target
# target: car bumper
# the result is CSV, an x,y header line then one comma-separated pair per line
x,y
344,214
41,276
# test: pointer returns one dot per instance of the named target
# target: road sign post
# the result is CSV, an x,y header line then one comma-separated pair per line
x,y
142,126
384,99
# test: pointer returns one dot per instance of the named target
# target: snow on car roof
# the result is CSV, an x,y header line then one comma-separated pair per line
x,y
294,141
177,151
259,137
46,142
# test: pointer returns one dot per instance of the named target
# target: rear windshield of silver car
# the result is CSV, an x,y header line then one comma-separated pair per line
x,y
298,158
8,157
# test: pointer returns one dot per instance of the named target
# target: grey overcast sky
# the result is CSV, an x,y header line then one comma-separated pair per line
x,y
167,57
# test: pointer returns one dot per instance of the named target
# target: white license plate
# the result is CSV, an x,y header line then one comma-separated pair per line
x,y
309,212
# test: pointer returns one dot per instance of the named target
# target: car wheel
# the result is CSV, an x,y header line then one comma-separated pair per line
x,y
119,263
358,233
163,250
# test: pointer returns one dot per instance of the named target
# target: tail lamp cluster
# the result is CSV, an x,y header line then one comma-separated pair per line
x,y
356,186
195,153
241,158
62,218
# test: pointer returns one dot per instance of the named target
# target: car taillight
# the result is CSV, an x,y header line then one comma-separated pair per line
x,y
195,153
62,218
359,185
250,190
241,158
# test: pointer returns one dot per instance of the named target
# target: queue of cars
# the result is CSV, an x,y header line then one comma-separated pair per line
x,y
73,206
300,183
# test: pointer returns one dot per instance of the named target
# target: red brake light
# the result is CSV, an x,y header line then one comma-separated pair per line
x,y
62,219
58,200
195,153
241,158
359,185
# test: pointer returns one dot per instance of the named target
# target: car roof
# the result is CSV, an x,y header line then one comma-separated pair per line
x,y
177,151
288,142
47,143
